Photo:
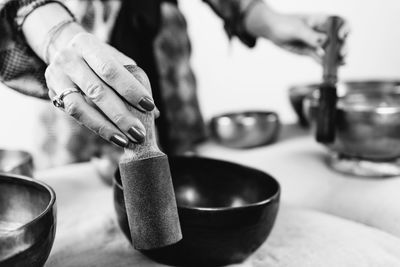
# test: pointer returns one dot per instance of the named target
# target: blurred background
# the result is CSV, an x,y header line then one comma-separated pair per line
x,y
232,77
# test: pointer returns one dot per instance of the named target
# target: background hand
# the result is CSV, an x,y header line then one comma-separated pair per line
x,y
300,34
305,35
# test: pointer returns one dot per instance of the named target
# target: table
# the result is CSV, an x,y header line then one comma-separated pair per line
x,y
325,219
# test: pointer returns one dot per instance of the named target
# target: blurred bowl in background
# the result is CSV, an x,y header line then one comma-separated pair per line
x,y
226,212
298,93
16,162
367,121
27,221
245,129
367,131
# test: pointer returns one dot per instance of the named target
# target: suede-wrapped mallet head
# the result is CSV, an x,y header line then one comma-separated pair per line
x,y
148,190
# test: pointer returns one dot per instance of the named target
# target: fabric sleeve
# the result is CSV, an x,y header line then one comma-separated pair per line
x,y
20,68
233,12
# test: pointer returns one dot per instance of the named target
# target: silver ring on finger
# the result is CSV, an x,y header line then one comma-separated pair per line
x,y
58,101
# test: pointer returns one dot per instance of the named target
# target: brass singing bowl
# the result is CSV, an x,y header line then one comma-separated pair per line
x,y
16,162
367,120
298,93
226,211
245,129
27,221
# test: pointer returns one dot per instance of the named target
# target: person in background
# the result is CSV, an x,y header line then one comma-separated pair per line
x,y
73,52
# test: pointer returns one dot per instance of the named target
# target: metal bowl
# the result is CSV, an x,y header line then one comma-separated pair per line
x,y
226,212
245,129
27,221
298,93
16,162
367,120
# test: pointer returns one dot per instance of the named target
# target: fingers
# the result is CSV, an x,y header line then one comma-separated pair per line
x,y
301,35
319,24
137,72
110,90
141,76
343,53
315,53
76,106
109,69
156,113
344,30
104,97
342,34
311,37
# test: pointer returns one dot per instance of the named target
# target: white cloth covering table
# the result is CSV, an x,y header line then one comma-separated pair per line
x,y
325,219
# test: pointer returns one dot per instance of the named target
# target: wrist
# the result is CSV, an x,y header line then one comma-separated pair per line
x,y
259,21
41,23
61,40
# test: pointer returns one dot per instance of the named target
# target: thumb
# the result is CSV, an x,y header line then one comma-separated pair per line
x,y
311,37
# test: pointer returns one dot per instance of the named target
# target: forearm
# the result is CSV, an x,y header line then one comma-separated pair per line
x,y
258,20
40,22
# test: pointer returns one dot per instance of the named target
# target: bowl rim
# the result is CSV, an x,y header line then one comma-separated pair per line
x,y
36,183
245,113
271,198
27,157
312,84
382,110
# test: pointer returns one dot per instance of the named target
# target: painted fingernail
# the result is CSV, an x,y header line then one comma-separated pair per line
x,y
119,140
136,134
147,103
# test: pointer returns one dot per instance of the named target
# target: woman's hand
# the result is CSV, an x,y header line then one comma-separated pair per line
x,y
300,34
97,69
78,60
305,35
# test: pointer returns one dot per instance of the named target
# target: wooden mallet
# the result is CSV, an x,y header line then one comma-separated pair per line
x,y
148,190
326,118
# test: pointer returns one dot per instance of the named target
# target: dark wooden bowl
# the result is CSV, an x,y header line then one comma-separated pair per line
x,y
27,221
226,211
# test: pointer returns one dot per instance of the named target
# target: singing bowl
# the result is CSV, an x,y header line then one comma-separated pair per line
x,y
245,129
298,93
367,124
226,212
27,221
16,162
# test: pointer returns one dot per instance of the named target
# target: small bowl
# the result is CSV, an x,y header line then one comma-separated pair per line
x,y
27,221
226,212
298,93
245,129
16,162
367,121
